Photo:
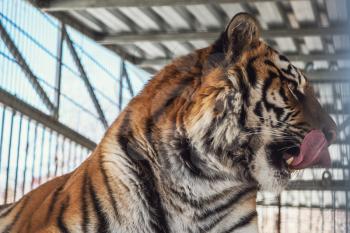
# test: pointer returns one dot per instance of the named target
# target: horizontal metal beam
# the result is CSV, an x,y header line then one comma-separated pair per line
x,y
214,34
292,57
313,206
61,5
67,19
335,185
326,76
48,121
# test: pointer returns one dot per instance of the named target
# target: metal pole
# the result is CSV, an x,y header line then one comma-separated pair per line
x,y
56,155
9,156
279,214
26,157
41,154
125,73
48,175
34,155
85,78
2,135
121,80
17,156
59,70
347,198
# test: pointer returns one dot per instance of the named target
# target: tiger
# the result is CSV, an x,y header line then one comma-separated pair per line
x,y
190,152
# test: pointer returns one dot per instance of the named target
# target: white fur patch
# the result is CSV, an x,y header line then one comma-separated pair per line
x,y
265,174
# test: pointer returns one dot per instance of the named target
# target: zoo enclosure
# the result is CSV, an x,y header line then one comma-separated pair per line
x,y
54,110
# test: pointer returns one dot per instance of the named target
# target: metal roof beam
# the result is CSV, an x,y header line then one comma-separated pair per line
x,y
85,79
214,34
61,5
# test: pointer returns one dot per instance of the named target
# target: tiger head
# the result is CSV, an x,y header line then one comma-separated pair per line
x,y
254,112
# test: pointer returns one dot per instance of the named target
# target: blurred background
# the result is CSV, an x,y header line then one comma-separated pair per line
x,y
67,68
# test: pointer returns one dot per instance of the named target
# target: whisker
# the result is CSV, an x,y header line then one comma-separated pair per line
x,y
286,148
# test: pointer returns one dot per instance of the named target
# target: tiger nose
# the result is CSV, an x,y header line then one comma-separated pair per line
x,y
328,127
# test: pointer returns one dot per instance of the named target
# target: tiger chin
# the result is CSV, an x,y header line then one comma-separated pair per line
x,y
190,152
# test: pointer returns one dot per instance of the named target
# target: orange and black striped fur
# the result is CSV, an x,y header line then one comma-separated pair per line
x,y
188,153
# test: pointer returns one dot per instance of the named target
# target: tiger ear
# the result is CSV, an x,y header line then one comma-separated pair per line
x,y
241,33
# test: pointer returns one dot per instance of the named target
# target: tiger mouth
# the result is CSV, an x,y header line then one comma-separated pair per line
x,y
282,156
313,151
290,154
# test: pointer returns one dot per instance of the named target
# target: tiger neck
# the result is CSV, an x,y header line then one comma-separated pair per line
x,y
209,205
192,200
187,191
201,196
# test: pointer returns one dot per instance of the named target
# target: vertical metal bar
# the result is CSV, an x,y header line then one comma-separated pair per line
x,y
299,216
63,155
59,70
334,211
2,133
26,158
9,156
56,155
343,160
85,78
17,156
347,212
347,207
34,153
334,95
310,219
41,153
121,80
322,211
278,226
50,156
75,155
284,215
347,147
264,218
65,163
69,156
81,154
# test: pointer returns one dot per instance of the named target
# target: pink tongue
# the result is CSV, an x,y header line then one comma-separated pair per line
x,y
313,151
